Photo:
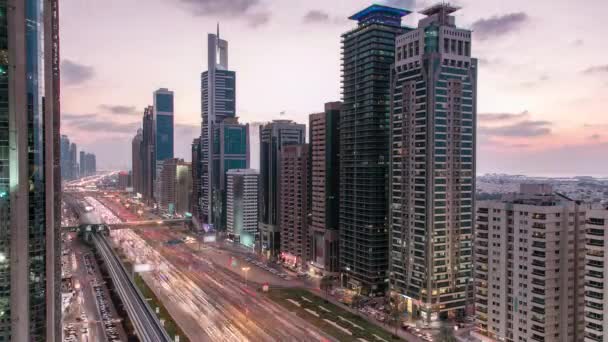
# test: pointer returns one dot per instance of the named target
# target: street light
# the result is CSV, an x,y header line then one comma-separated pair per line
x,y
246,270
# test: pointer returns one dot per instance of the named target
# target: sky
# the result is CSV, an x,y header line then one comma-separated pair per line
x,y
542,83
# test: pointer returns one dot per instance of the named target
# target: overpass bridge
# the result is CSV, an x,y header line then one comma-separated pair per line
x,y
84,227
144,320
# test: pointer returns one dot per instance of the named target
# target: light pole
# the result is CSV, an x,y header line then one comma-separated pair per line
x,y
246,270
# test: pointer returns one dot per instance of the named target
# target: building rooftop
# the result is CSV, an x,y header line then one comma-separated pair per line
x,y
442,7
376,10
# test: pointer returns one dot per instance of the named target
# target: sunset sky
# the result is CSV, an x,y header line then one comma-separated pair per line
x,y
542,87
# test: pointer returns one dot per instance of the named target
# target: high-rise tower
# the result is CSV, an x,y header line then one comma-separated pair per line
x,y
368,52
29,171
432,175
163,120
325,188
224,142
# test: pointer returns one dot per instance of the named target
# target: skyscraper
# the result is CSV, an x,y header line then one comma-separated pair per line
x,y
148,151
195,205
137,162
175,185
229,151
73,172
224,142
163,120
368,52
242,205
432,175
83,163
325,187
274,136
65,157
529,268
294,206
29,171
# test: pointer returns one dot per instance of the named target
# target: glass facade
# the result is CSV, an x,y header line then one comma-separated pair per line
x,y
368,52
164,137
164,103
23,159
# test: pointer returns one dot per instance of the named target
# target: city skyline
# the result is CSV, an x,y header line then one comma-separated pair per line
x,y
519,131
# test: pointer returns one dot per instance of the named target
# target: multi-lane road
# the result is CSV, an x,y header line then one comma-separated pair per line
x,y
146,324
209,302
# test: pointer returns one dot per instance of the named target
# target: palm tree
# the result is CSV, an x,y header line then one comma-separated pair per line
x,y
356,301
395,317
325,285
446,335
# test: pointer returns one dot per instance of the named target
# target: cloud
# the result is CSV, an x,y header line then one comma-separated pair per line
x,y
498,25
118,109
578,42
500,117
229,9
258,19
597,69
595,137
76,117
315,16
521,129
73,73
95,123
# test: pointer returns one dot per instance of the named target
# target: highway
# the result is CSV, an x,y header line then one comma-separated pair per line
x,y
144,320
209,302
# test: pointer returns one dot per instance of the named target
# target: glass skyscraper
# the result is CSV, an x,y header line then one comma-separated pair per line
x,y
163,118
368,52
432,173
29,148
224,142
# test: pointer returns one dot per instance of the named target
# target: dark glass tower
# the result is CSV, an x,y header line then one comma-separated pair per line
x,y
433,164
29,171
163,119
274,137
368,52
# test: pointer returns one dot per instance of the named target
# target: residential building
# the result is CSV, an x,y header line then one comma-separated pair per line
x,y
596,270
529,271
137,162
30,172
368,52
432,155
242,206
174,185
163,121
219,122
294,204
325,188
148,158
274,136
